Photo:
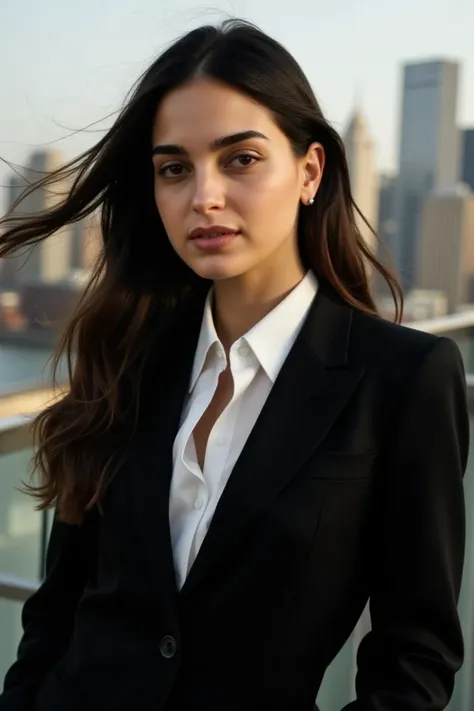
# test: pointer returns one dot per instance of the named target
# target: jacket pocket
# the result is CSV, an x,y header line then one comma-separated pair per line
x,y
332,465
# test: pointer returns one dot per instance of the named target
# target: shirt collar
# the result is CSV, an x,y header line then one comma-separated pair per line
x,y
271,339
207,338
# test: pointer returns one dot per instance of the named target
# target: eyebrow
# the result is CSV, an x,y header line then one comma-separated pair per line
x,y
223,142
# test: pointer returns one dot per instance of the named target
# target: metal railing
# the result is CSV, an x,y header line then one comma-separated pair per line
x,y
14,588
445,324
14,434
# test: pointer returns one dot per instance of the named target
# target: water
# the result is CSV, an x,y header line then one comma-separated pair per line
x,y
21,366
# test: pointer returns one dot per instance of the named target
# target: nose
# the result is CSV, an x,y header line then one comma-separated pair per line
x,y
209,194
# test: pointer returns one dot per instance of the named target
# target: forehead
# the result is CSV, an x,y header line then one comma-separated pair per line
x,y
204,110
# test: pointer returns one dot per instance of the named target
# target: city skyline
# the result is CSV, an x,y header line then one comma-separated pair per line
x,y
57,81
429,157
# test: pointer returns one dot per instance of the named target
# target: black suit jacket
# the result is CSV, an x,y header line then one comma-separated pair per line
x,y
349,488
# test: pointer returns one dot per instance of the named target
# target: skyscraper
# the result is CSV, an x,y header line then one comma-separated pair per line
x,y
467,159
360,152
446,255
86,243
50,260
9,267
428,152
387,195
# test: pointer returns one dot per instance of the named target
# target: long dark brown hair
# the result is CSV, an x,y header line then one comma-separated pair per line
x,y
108,341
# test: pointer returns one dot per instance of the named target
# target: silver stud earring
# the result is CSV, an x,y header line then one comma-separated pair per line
x,y
311,201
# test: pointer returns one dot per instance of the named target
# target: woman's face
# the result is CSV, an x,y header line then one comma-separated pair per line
x,y
223,166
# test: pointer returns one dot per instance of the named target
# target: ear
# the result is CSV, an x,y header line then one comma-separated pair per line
x,y
312,165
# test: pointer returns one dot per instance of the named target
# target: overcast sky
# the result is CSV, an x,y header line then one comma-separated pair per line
x,y
64,64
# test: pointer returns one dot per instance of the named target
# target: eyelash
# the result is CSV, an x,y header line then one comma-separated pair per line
x,y
161,171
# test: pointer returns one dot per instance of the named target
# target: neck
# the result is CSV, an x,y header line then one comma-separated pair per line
x,y
243,301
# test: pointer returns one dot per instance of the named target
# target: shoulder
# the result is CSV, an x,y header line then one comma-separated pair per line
x,y
415,376
399,351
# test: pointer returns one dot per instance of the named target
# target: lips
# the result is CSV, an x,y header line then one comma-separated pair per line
x,y
212,232
213,239
212,235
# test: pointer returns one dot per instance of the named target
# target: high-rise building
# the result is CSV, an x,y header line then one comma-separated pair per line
x,y
360,153
428,152
48,262
14,189
386,232
447,245
467,157
86,243
387,225
9,267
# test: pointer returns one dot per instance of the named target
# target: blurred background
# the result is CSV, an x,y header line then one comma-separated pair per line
x,y
396,81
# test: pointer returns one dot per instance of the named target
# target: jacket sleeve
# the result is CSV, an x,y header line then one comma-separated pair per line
x,y
47,615
409,659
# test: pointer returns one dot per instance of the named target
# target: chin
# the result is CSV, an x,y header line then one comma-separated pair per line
x,y
217,272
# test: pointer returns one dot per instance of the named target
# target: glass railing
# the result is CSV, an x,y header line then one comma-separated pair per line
x,y
10,625
23,537
463,697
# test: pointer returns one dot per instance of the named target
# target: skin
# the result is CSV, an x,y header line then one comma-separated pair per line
x,y
257,186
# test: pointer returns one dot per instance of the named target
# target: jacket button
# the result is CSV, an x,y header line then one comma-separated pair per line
x,y
168,646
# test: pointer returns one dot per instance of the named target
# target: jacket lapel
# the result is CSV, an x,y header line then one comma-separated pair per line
x,y
314,384
150,457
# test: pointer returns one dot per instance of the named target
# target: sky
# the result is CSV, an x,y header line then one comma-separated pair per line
x,y
66,65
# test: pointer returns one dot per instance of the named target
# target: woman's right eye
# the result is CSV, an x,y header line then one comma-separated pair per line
x,y
171,170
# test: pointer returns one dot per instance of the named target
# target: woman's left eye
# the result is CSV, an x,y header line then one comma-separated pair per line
x,y
246,159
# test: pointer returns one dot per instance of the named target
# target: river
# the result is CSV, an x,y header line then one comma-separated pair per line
x,y
21,366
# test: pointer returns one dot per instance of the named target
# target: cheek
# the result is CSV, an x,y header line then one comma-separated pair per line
x,y
274,198
161,204
169,212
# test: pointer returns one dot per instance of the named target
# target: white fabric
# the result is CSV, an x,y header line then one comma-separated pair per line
x,y
255,361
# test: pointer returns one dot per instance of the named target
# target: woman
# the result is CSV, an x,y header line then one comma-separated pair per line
x,y
248,452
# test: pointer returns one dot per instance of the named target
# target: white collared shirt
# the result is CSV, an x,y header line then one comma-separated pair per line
x,y
255,361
